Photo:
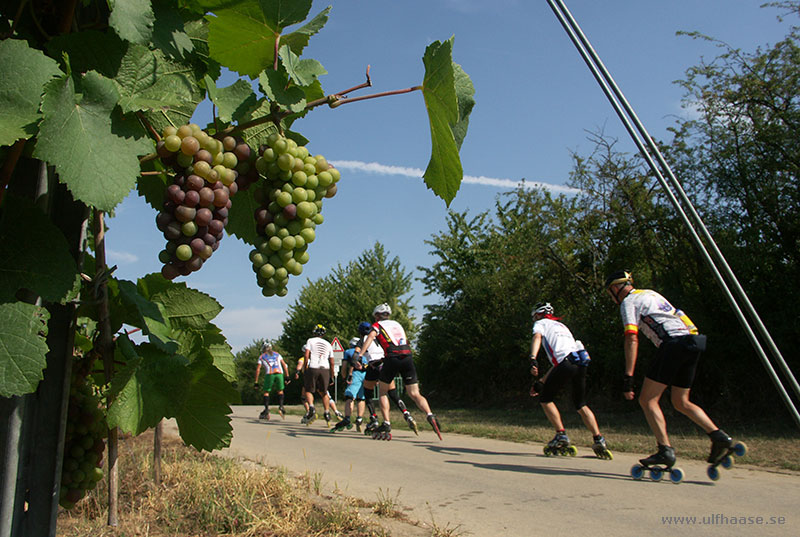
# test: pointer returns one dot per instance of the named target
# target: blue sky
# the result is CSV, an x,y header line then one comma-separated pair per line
x,y
536,100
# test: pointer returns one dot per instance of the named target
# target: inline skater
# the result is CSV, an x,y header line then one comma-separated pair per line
x,y
317,368
353,373
275,371
391,337
569,362
675,364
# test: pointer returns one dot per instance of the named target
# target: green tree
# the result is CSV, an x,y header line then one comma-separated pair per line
x,y
347,297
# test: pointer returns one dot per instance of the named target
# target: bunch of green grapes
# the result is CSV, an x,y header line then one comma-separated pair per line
x,y
290,203
195,211
84,442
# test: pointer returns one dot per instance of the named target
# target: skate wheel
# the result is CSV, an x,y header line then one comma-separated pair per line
x,y
547,451
388,437
637,471
656,474
607,455
740,449
726,461
713,473
572,451
676,475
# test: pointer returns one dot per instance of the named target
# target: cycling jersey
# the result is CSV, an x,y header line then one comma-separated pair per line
x,y
374,352
271,362
320,351
655,316
557,341
391,337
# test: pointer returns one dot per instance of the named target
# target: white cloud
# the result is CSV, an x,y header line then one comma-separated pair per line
x,y
416,173
121,257
242,326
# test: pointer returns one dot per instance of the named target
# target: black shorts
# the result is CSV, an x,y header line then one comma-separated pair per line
x,y
399,364
316,380
373,371
675,363
565,372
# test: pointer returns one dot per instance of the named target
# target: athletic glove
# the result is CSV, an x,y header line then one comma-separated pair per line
x,y
627,383
255,384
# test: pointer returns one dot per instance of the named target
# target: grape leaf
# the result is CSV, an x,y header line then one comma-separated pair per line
x,y
186,307
90,50
79,137
132,20
151,188
242,35
233,102
256,136
23,73
444,173
303,72
169,33
274,84
220,351
148,316
298,40
204,420
23,329
241,223
149,80
35,253
153,385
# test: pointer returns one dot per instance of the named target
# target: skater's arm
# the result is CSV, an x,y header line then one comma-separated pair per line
x,y
631,353
367,343
258,370
535,344
285,368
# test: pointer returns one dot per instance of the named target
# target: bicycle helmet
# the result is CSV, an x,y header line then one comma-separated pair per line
x,y
364,328
619,276
319,330
353,342
266,347
545,308
382,308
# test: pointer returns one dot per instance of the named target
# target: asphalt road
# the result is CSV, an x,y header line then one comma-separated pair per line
x,y
489,487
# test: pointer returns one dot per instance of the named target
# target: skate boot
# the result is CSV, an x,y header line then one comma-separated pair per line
x,y
658,464
371,426
264,415
311,416
359,421
282,412
601,449
327,416
339,414
722,451
342,425
382,432
560,445
412,424
435,424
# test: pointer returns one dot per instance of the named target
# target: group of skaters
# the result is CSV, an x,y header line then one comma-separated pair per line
x,y
381,352
376,357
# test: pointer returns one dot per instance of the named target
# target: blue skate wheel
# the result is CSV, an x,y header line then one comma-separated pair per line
x,y
637,471
713,473
740,449
676,475
656,474
726,461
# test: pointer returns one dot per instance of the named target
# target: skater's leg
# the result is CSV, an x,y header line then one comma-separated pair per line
x,y
383,389
681,402
413,391
360,408
553,415
648,400
587,416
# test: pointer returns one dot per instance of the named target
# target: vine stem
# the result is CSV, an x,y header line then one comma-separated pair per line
x,y
8,166
148,126
346,100
16,19
106,342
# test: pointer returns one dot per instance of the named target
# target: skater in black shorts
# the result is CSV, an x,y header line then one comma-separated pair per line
x,y
569,362
679,347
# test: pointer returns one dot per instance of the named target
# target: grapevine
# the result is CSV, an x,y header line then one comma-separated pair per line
x,y
84,442
208,172
290,205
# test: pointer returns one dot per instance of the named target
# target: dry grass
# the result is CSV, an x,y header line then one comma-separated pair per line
x,y
203,495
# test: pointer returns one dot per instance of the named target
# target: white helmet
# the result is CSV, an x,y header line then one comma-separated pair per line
x,y
542,307
382,308
353,342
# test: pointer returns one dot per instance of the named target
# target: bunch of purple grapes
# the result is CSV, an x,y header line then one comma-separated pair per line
x,y
208,172
290,201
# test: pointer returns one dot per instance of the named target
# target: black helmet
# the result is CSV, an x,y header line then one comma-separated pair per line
x,y
618,276
364,328
319,330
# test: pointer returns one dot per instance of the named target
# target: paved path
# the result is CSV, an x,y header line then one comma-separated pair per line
x,y
492,487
